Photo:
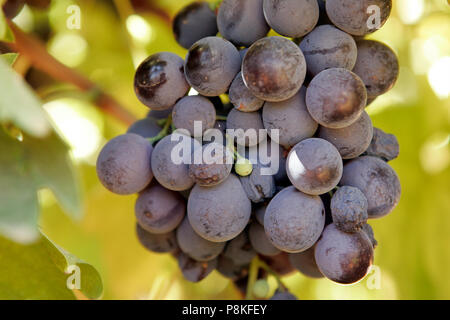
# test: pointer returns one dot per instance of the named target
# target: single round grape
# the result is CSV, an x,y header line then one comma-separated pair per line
x,y
283,295
169,172
260,242
211,65
159,210
259,213
294,220
242,98
123,165
159,81
240,250
194,22
159,243
344,257
219,213
349,209
359,17
377,66
195,114
351,141
328,47
230,270
292,18
336,98
377,181
383,145
291,118
195,271
279,264
258,186
195,246
215,165
146,128
314,166
305,262
242,22
247,127
274,69
367,228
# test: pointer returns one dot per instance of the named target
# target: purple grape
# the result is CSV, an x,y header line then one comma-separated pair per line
x,y
305,262
192,109
349,209
260,242
274,69
239,250
383,145
242,99
336,98
344,257
158,243
123,165
377,181
283,296
258,186
159,81
159,210
292,18
246,126
294,220
195,271
314,166
211,65
242,22
146,128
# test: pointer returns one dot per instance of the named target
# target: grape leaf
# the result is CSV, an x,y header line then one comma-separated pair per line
x,y
19,104
25,167
43,271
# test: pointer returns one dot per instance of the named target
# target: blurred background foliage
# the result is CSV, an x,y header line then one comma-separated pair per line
x,y
414,241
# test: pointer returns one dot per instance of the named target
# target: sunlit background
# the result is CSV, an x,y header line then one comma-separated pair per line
x,y
413,257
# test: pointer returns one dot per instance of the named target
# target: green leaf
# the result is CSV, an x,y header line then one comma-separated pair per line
x,y
9,58
43,271
19,104
26,167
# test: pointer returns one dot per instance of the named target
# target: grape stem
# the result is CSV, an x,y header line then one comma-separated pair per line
x,y
163,133
257,264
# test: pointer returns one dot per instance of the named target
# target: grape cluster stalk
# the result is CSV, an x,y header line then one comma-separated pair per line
x,y
311,85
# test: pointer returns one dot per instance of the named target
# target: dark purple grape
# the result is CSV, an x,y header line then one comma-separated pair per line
x,y
274,69
242,22
383,145
328,47
215,165
169,172
240,250
367,228
194,22
336,98
377,181
219,213
159,210
230,270
351,141
247,127
195,114
349,209
211,65
195,271
292,18
159,81
146,128
260,242
258,186
279,264
344,257
123,165
305,262
358,17
242,98
283,295
195,246
377,66
158,243
291,118
314,166
159,114
259,213
294,220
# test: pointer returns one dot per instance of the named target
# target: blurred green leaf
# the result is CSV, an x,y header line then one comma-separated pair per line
x,y
43,271
9,58
28,166
20,105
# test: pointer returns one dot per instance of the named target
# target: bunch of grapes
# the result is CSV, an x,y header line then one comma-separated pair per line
x,y
304,91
